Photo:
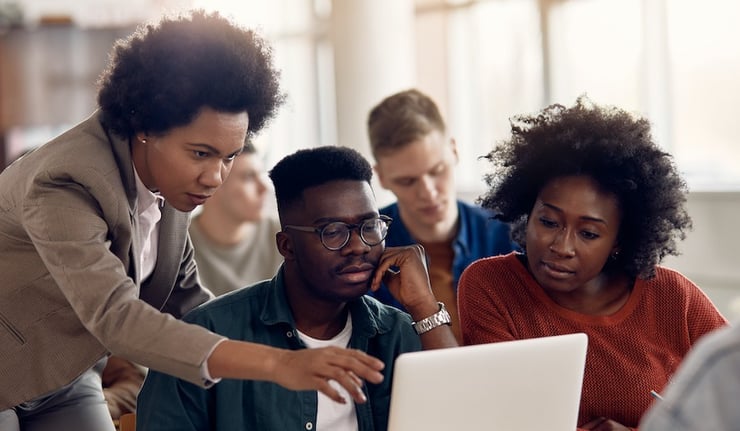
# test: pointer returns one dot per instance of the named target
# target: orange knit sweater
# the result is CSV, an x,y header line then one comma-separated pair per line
x,y
630,352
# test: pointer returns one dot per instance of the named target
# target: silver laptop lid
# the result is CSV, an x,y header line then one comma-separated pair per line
x,y
531,384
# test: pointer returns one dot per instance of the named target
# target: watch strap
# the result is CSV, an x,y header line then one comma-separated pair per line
x,y
442,317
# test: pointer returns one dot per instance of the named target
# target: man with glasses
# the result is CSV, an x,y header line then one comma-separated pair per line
x,y
332,241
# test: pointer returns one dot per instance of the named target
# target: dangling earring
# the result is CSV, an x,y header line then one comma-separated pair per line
x,y
615,255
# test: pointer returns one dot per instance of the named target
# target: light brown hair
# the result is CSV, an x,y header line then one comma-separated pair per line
x,y
400,119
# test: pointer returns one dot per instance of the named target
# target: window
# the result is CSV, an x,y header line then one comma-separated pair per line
x,y
488,60
494,70
704,65
302,54
672,61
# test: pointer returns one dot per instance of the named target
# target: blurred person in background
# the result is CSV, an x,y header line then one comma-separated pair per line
x,y
703,393
233,238
415,159
122,380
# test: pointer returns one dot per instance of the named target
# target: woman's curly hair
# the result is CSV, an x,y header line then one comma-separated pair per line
x,y
162,75
614,148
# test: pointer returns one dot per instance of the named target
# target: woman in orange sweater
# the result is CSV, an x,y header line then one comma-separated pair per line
x,y
595,205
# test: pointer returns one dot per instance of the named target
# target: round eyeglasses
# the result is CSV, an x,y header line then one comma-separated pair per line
x,y
336,235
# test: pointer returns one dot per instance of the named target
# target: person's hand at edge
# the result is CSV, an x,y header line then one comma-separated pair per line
x,y
299,370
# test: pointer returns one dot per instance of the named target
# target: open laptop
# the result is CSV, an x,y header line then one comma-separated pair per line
x,y
531,384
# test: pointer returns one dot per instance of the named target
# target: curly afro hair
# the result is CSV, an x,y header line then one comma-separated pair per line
x,y
313,167
614,148
162,75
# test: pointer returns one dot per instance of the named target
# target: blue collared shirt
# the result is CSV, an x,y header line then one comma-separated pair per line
x,y
261,314
478,236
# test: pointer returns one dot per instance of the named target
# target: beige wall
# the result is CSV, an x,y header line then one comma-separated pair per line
x,y
710,254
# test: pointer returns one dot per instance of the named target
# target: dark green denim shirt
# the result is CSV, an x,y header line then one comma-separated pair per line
x,y
260,314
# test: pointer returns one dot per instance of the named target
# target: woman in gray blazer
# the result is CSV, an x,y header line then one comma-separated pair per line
x,y
94,252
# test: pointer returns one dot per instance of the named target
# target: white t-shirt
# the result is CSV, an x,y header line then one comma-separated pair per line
x,y
331,415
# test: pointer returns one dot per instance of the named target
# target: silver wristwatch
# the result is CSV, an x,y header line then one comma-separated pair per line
x,y
442,317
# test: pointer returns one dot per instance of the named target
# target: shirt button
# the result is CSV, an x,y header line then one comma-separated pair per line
x,y
309,426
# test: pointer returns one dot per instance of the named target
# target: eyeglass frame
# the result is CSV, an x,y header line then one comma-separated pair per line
x,y
350,227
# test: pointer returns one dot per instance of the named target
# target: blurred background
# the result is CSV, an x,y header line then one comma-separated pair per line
x,y
675,61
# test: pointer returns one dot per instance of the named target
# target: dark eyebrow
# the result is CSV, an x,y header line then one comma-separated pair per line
x,y
327,220
586,218
213,149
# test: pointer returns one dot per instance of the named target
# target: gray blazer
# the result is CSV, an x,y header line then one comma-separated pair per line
x,y
69,293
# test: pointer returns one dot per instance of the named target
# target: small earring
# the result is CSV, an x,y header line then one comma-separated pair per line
x,y
615,255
